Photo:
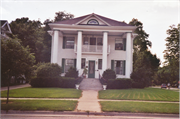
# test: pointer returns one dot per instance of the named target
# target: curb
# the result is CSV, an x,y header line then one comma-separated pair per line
x,y
89,113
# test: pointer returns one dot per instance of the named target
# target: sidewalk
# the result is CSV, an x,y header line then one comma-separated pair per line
x,y
15,87
89,100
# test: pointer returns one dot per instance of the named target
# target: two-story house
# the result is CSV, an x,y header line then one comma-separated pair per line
x,y
95,42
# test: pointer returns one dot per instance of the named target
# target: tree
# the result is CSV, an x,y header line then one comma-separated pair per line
x,y
30,33
62,15
170,71
145,64
16,60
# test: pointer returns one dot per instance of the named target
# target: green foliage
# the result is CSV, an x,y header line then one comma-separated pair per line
x,y
138,85
48,70
62,15
72,72
169,73
119,83
109,74
140,41
30,33
46,82
16,60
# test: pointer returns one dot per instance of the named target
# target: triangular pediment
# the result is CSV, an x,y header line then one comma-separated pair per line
x,y
93,20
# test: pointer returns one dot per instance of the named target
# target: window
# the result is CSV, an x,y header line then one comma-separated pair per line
x,y
83,63
119,44
68,63
93,22
85,42
99,63
68,42
118,66
99,41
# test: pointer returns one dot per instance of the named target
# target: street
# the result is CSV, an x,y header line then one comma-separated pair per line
x,y
61,116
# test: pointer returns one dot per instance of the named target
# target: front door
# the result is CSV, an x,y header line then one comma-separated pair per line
x,y
91,71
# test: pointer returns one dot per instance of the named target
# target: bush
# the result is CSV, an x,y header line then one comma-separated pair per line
x,y
48,70
119,83
109,74
138,85
46,82
72,72
48,75
69,82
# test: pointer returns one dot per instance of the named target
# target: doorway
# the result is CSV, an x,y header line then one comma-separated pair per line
x,y
91,70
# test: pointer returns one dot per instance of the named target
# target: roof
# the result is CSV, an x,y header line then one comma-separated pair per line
x,y
78,19
3,22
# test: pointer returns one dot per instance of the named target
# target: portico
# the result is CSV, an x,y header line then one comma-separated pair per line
x,y
92,42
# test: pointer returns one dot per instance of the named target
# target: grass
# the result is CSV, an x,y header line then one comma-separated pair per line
x,y
42,93
140,94
33,105
139,107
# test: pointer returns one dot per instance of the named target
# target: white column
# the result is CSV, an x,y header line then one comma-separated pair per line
x,y
52,48
104,57
55,47
128,55
79,52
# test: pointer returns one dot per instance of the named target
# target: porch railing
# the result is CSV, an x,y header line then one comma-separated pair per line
x,y
92,49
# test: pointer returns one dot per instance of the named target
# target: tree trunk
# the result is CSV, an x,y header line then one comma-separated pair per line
x,y
8,92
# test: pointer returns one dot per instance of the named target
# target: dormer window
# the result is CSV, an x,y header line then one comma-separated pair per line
x,y
93,22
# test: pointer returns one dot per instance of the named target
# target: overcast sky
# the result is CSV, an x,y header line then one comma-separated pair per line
x,y
156,15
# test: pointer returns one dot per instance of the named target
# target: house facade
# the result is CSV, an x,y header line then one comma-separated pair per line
x,y
93,42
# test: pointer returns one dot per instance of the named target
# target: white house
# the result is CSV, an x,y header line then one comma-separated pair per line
x,y
95,42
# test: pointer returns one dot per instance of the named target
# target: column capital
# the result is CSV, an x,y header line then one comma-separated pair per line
x,y
105,31
79,31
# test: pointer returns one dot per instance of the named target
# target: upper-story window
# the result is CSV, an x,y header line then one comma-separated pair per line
x,y
120,44
93,22
68,42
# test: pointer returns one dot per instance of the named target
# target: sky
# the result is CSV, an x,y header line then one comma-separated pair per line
x,y
156,15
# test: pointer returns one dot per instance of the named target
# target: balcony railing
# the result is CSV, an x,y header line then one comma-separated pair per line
x,y
92,49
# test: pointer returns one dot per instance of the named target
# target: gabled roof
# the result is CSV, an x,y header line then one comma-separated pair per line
x,y
108,21
5,26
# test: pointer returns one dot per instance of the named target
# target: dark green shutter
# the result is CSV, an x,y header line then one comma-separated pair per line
x,y
124,67
63,62
64,42
124,44
112,65
75,63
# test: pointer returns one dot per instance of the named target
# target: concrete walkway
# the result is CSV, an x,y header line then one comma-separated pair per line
x,y
15,87
89,100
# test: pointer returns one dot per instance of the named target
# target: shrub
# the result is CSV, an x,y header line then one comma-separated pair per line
x,y
119,83
138,85
69,82
72,72
48,70
48,75
46,82
109,74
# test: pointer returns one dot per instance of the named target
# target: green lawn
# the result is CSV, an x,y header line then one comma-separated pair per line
x,y
140,94
32,105
43,93
139,107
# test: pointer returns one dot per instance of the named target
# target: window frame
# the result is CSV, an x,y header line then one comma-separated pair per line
x,y
82,67
99,63
68,38
122,46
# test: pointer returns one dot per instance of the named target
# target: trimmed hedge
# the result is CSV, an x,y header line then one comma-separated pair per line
x,y
61,82
46,82
138,85
119,83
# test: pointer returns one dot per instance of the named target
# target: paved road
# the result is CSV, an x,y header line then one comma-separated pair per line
x,y
15,87
64,116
